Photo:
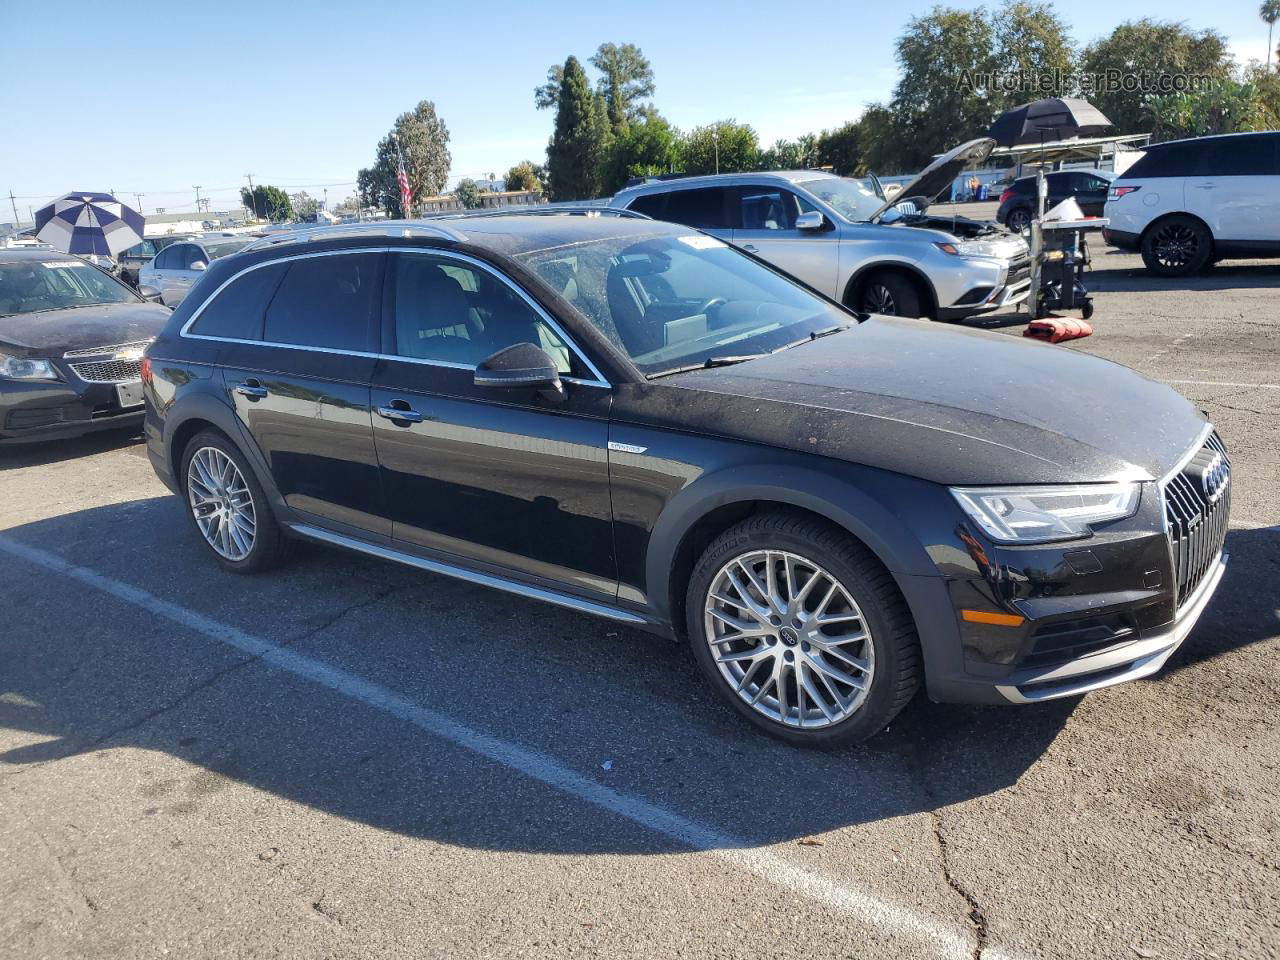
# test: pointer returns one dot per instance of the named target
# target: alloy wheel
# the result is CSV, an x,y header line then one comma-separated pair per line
x,y
789,639
1175,245
221,503
1018,221
879,299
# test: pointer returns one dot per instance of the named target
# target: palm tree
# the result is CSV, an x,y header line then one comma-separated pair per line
x,y
1270,12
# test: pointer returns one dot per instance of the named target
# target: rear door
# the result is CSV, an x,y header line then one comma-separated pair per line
x,y
506,479
765,224
170,272
1238,191
297,372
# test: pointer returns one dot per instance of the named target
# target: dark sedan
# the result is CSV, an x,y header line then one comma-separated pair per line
x,y
71,342
632,419
1088,187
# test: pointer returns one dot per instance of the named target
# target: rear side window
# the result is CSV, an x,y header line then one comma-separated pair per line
x,y
236,313
651,205
1254,156
1176,160
327,301
705,208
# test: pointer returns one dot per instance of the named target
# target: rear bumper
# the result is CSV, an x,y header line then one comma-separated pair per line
x,y
1121,238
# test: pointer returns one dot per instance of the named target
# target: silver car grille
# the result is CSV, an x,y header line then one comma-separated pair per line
x,y
1197,507
112,363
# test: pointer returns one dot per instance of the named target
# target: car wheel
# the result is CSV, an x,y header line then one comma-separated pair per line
x,y
228,507
1019,219
802,630
1177,246
891,294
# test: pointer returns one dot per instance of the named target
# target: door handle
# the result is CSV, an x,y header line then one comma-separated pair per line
x,y
399,412
251,389
1206,186
750,248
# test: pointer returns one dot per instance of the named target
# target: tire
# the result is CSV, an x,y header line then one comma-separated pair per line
x,y
890,294
1176,246
237,547
1018,220
863,598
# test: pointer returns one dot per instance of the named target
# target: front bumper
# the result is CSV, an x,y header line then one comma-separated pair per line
x,y
1013,289
43,410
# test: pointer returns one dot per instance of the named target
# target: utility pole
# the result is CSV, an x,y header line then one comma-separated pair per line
x,y
14,203
138,197
715,138
252,198
197,189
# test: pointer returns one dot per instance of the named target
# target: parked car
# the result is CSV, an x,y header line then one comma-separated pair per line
x,y
179,265
851,241
71,342
1088,187
635,420
1189,203
132,261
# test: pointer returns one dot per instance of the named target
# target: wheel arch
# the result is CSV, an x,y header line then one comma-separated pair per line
x,y
203,412
922,283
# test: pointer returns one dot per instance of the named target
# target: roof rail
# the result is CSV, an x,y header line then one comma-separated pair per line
x,y
384,228
548,210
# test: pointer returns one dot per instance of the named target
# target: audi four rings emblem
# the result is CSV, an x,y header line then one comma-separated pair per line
x,y
1213,480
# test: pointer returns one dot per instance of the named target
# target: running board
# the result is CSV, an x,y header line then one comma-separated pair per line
x,y
471,576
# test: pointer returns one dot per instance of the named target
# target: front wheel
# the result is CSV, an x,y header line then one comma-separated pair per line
x,y
890,294
802,631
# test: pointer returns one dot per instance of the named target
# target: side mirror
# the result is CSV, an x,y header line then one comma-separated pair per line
x,y
520,367
811,220
198,265
149,294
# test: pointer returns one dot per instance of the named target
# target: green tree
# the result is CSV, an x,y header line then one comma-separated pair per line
x,y
785,155
1151,49
1031,40
304,205
626,79
1227,107
580,142
1270,13
646,146
268,201
424,140
547,95
523,176
468,193
841,150
878,140
724,147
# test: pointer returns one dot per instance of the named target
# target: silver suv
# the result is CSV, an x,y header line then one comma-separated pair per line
x,y
844,238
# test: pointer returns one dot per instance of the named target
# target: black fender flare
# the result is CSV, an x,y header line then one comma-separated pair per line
x,y
837,500
902,266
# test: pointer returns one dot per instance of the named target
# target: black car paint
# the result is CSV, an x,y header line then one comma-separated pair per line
x,y
865,428
1060,185
78,407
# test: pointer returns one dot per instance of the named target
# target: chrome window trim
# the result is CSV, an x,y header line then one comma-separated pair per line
x,y
185,332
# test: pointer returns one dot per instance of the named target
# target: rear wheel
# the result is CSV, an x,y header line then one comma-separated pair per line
x,y
1177,246
802,631
891,294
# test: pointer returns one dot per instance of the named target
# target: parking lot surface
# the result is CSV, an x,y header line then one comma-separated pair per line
x,y
346,758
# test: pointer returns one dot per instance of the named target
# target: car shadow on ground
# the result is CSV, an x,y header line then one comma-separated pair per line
x,y
44,452
1120,276
557,686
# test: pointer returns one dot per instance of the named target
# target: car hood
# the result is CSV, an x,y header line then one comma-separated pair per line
x,y
946,404
51,333
937,176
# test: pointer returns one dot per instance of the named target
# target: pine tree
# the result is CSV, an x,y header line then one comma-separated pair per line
x,y
577,150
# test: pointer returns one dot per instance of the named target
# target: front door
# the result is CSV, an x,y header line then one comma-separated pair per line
x,y
766,226
504,478
300,387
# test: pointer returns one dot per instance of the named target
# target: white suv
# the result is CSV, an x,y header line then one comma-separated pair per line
x,y
1188,203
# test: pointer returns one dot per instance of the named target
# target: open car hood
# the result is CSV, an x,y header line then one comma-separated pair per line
x,y
937,176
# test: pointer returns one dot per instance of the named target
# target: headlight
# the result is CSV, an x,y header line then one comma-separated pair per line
x,y
1040,514
974,248
17,368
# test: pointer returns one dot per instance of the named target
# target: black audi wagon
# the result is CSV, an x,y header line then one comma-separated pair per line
x,y
631,419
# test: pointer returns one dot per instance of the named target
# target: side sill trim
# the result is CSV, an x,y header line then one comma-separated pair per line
x,y
471,576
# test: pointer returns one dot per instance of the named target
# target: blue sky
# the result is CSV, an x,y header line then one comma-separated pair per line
x,y
158,97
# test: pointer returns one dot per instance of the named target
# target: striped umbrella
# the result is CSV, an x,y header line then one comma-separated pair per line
x,y
87,223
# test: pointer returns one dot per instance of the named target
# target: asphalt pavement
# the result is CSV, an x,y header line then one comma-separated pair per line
x,y
346,758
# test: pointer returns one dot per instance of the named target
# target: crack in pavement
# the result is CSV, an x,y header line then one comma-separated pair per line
x,y
977,917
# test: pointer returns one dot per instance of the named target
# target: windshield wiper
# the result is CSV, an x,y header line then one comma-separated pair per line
x,y
708,364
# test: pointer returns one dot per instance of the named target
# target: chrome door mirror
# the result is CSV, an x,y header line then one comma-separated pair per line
x,y
521,366
811,220
198,265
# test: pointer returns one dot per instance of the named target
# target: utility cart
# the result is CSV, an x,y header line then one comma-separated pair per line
x,y
1060,255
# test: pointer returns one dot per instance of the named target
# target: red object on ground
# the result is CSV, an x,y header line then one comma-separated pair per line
x,y
1057,329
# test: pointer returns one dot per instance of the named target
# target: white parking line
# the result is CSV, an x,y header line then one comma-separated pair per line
x,y
1224,383
886,915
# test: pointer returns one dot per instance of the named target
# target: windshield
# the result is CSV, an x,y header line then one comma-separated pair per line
x,y
853,199
671,302
30,286
222,248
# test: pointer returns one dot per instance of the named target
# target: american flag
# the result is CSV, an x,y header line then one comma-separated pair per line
x,y
402,178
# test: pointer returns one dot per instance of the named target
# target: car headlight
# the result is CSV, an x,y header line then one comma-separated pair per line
x,y
19,368
1041,514
974,248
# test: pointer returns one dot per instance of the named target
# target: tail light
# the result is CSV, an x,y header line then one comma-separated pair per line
x,y
1118,192
145,371
1004,197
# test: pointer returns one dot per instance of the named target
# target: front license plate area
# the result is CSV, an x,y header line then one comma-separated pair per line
x,y
129,394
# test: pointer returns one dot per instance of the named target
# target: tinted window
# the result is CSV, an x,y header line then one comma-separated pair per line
x,y
171,257
651,205
327,301
1241,157
451,312
703,208
237,311
1175,160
